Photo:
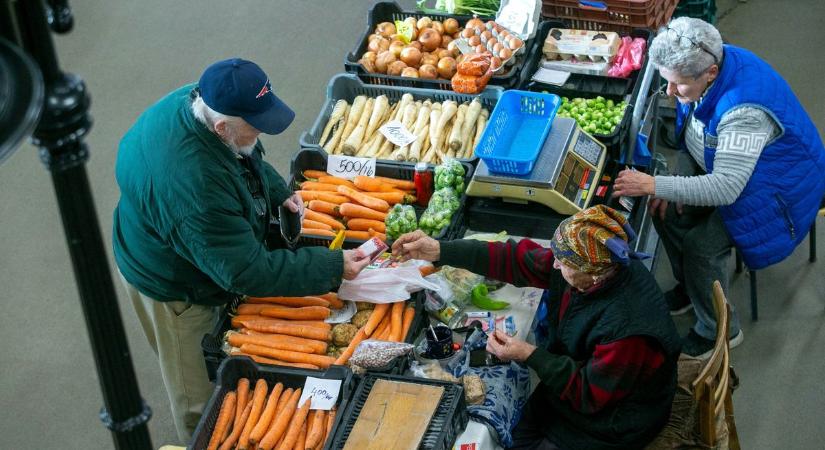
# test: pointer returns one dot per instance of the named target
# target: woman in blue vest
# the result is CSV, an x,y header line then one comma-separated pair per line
x,y
750,172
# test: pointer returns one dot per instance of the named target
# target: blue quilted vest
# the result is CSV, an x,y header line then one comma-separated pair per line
x,y
779,203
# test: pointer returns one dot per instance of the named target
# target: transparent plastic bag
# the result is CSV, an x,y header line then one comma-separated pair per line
x,y
374,354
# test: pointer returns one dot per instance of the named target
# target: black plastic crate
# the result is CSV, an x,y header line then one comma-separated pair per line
x,y
390,12
492,215
700,9
313,158
450,417
348,86
235,368
212,343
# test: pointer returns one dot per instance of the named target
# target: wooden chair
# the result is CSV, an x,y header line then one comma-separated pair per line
x,y
712,388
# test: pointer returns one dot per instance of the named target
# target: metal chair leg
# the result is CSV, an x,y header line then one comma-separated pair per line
x,y
812,243
738,260
754,307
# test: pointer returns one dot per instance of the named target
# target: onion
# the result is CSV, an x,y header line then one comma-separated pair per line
x,y
396,68
424,22
438,26
428,59
385,29
453,48
451,26
396,47
369,56
411,56
409,72
378,45
474,23
383,60
415,44
414,25
445,40
428,71
457,35
369,66
430,39
446,67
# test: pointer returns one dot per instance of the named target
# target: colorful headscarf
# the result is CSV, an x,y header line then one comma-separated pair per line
x,y
594,240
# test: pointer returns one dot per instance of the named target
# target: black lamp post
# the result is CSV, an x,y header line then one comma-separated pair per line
x,y
32,83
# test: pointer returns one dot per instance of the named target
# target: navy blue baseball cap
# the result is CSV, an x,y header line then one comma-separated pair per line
x,y
236,87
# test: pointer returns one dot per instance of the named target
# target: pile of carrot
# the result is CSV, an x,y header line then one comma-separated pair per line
x,y
265,419
387,322
358,206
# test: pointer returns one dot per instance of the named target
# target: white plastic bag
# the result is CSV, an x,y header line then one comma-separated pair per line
x,y
384,285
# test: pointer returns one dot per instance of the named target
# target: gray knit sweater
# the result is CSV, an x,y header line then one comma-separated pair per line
x,y
742,134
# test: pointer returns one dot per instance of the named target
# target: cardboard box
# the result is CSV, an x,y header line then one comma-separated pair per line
x,y
595,46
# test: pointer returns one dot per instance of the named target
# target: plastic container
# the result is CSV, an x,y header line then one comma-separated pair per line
x,y
390,12
235,368
348,86
516,131
449,419
317,159
700,9
610,15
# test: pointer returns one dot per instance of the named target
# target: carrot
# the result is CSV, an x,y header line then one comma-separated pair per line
x,y
396,321
392,197
353,344
362,212
370,202
330,421
238,339
273,362
409,315
333,300
375,317
262,301
253,307
316,428
427,270
279,425
310,323
316,186
258,397
306,223
243,397
381,236
266,417
382,329
319,347
314,174
295,301
225,417
329,179
317,232
229,442
288,328
353,234
295,426
324,207
311,418
322,195
400,184
371,184
288,355
300,443
302,313
323,218
366,224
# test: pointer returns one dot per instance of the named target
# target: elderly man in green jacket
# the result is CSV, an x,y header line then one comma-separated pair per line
x,y
189,229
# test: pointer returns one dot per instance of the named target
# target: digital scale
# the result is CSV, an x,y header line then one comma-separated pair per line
x,y
565,176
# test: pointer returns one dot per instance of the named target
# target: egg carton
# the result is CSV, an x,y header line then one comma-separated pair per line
x,y
581,45
502,43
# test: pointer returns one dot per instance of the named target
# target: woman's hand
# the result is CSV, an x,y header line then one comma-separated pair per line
x,y
416,245
354,262
631,183
508,348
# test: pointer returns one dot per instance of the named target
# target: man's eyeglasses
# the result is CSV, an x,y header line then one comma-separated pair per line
x,y
686,42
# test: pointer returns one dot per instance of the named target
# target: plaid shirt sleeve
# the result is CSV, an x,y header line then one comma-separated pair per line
x,y
523,263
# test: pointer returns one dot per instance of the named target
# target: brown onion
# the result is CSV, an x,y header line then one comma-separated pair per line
x,y
385,29
445,40
369,66
396,68
415,44
369,56
451,26
409,72
378,45
428,71
429,59
443,53
424,22
383,60
446,67
396,47
453,48
438,26
429,39
411,56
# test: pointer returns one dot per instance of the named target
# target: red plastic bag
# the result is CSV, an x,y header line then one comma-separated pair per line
x,y
637,52
623,63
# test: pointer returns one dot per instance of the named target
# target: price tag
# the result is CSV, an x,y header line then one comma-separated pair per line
x,y
404,31
324,393
349,167
395,132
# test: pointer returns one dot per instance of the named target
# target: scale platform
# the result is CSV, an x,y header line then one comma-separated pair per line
x,y
565,176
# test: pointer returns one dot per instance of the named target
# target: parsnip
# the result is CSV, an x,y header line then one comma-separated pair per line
x,y
481,124
454,141
337,111
378,112
332,145
408,120
435,114
354,140
354,115
421,132
470,121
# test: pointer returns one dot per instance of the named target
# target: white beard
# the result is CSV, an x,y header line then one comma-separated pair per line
x,y
246,150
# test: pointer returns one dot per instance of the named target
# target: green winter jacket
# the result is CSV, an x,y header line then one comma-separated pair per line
x,y
186,226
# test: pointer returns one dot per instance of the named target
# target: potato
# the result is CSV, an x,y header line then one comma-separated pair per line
x,y
343,333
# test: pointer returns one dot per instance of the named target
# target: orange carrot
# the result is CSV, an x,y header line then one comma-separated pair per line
x,y
302,313
323,218
306,223
316,428
396,321
362,235
238,339
329,179
300,443
393,197
326,196
330,421
381,236
383,328
366,224
371,184
295,426
427,270
288,355
409,315
353,344
310,323
333,300
266,417
317,232
375,317
282,418
370,202
400,184
316,186
361,212
243,398
229,442
253,307
324,207
319,347
258,397
273,362
288,328
295,301
225,418
314,174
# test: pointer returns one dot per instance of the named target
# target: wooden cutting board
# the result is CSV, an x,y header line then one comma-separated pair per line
x,y
395,416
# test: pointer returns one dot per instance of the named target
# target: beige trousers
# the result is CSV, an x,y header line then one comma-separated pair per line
x,y
174,331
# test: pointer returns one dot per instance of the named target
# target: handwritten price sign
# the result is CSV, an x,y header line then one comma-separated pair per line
x,y
396,133
350,167
323,392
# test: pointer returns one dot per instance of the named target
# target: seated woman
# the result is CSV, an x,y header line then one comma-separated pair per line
x,y
608,374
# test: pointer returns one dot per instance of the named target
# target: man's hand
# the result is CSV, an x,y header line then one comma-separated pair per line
x,y
416,245
631,183
508,348
354,263
295,204
658,207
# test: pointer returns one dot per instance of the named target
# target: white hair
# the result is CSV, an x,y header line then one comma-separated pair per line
x,y
687,46
208,116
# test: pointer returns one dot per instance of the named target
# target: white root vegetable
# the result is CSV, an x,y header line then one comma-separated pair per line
x,y
332,146
379,110
435,115
454,141
408,120
354,140
421,131
354,115
448,110
337,112
470,120
481,124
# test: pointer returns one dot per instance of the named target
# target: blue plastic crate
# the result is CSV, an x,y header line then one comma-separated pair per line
x,y
516,131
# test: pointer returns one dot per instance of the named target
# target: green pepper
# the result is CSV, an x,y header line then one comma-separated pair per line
x,y
480,298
